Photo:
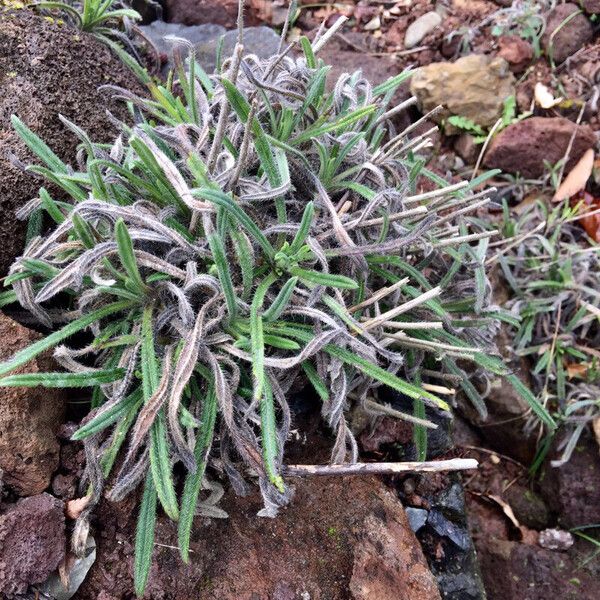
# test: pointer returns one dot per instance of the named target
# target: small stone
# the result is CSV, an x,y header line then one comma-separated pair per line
x,y
565,33
457,534
466,147
418,29
64,486
474,87
516,51
524,147
417,517
556,539
32,542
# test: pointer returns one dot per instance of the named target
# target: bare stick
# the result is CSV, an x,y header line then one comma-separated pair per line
x,y
435,193
318,44
397,109
431,466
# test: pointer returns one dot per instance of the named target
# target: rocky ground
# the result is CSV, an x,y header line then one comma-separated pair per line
x,y
497,533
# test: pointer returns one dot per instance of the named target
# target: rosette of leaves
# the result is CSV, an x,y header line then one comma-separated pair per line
x,y
552,268
250,232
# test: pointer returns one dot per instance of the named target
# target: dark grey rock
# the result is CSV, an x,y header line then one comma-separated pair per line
x,y
417,517
451,502
457,534
261,41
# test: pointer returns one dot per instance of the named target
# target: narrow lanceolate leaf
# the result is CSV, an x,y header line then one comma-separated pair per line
x,y
63,380
218,252
261,392
160,464
127,254
326,279
38,147
144,537
193,482
105,418
304,229
536,406
25,355
245,256
281,301
270,443
224,201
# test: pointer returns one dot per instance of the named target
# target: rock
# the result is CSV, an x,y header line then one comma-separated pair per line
x,y
474,87
417,517
150,10
445,538
572,490
64,486
565,34
262,41
385,566
513,571
418,29
219,12
338,539
32,542
556,539
47,69
516,51
524,146
466,147
29,418
529,508
590,6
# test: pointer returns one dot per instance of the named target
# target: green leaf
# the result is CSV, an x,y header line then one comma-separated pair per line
x,y
317,383
144,537
193,482
224,201
327,279
218,252
281,301
62,380
304,229
127,254
160,464
38,147
26,354
536,406
108,417
261,388
311,61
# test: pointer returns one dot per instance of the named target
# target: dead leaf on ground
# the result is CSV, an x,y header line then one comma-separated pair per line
x,y
74,508
577,369
575,181
591,222
544,97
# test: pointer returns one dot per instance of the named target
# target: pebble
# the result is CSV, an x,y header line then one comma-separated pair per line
x,y
556,539
420,28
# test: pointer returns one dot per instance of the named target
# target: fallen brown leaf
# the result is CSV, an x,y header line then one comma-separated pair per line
x,y
575,181
577,369
591,223
74,508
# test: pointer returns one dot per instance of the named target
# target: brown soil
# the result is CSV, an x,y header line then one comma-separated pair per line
x,y
47,69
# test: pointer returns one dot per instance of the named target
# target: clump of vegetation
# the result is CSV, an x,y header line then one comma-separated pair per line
x,y
553,270
251,231
105,19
